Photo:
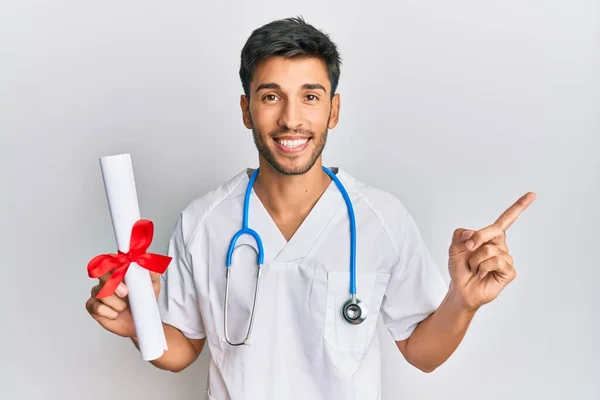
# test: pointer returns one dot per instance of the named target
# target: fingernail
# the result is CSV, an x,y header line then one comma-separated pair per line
x,y
470,245
121,290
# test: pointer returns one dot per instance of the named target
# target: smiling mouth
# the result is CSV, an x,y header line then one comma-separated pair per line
x,y
292,143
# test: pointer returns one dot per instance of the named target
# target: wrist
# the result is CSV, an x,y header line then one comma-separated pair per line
x,y
459,302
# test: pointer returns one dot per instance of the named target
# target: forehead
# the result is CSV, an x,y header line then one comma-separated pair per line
x,y
291,73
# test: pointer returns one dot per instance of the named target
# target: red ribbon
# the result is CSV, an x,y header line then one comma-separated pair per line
x,y
141,237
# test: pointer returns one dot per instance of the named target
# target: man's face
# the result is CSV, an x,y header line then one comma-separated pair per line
x,y
290,111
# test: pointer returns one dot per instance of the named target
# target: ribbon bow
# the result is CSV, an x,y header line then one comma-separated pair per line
x,y
141,237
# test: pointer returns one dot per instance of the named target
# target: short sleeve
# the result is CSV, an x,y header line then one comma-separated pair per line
x,y
416,287
178,300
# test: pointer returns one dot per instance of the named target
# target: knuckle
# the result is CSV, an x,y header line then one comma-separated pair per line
x,y
97,307
105,311
120,306
89,305
511,274
497,260
489,250
499,263
486,266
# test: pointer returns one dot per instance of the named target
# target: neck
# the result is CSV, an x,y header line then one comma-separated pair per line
x,y
290,195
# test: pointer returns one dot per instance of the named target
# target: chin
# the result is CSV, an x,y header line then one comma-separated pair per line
x,y
298,167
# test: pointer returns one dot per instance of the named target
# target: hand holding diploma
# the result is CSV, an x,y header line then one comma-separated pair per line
x,y
129,308
113,312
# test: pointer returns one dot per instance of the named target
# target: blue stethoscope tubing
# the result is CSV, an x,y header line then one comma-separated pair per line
x,y
245,229
352,219
353,311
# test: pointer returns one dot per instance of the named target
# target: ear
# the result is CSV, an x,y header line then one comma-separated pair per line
x,y
334,113
245,106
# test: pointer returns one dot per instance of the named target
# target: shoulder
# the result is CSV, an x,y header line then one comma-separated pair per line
x,y
381,204
201,207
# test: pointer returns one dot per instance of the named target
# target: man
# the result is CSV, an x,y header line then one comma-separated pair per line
x,y
301,346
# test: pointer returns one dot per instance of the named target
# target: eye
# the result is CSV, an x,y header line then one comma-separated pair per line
x,y
269,97
312,97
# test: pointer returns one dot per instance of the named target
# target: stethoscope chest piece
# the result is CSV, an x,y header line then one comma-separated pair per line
x,y
354,311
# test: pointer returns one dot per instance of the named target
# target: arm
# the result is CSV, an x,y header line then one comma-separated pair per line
x,y
177,302
182,351
437,337
113,313
480,267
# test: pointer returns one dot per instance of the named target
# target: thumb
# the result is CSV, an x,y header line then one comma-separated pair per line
x,y
155,278
461,235
459,238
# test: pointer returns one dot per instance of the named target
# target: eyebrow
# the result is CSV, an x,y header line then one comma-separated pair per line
x,y
306,86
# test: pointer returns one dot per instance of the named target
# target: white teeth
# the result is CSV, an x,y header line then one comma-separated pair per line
x,y
291,144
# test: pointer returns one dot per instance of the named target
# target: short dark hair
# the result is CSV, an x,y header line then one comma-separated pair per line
x,y
290,38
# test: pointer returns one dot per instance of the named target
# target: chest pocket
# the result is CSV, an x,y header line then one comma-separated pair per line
x,y
347,344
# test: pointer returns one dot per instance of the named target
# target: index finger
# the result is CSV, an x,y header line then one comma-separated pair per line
x,y
509,216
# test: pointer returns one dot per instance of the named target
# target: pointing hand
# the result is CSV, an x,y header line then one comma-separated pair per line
x,y
479,263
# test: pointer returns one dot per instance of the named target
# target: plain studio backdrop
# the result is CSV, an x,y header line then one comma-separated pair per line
x,y
458,108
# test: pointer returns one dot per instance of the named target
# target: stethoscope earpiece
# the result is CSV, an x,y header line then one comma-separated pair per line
x,y
354,311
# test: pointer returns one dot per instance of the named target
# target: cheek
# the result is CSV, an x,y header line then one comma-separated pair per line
x,y
264,116
317,117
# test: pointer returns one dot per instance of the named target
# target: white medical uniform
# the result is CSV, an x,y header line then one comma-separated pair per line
x,y
301,347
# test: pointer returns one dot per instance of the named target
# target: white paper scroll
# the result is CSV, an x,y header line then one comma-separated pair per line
x,y
121,194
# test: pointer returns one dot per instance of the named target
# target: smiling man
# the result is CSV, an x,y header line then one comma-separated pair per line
x,y
291,130
334,253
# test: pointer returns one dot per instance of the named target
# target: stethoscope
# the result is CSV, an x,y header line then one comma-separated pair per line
x,y
353,310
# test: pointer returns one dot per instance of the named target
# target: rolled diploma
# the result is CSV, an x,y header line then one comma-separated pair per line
x,y
119,183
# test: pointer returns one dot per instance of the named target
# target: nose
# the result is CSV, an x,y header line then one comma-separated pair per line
x,y
291,116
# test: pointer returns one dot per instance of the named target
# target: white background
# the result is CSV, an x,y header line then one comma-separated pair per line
x,y
458,108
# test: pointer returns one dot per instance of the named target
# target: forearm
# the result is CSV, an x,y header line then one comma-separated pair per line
x,y
181,351
437,337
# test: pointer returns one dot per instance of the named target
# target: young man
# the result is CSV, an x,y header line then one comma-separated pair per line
x,y
305,341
